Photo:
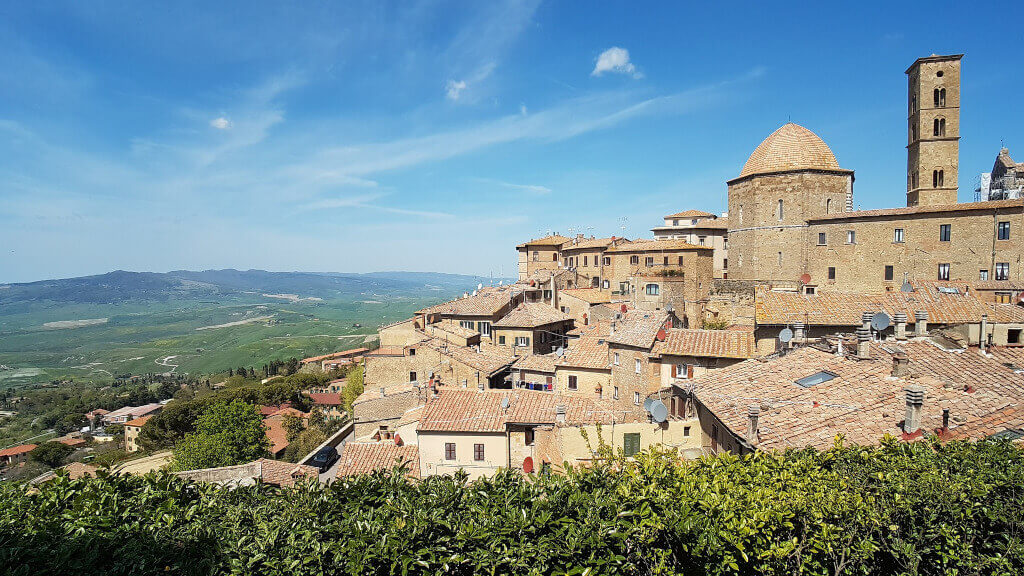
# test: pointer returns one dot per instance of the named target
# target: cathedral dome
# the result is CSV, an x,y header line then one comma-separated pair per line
x,y
791,147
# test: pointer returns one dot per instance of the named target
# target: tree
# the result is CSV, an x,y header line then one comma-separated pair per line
x,y
353,388
51,453
293,426
226,433
292,366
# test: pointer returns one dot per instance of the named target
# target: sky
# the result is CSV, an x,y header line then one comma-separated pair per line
x,y
435,136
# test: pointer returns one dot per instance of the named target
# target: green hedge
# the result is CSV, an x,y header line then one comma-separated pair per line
x,y
894,509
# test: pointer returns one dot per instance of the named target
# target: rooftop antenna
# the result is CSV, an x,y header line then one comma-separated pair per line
x,y
622,224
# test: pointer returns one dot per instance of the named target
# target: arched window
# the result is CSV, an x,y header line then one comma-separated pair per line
x,y
780,210
935,178
913,104
942,98
935,127
942,126
828,206
935,97
941,183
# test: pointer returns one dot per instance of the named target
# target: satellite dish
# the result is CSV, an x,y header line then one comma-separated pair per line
x,y
659,413
805,278
785,335
528,464
504,403
907,287
880,321
648,403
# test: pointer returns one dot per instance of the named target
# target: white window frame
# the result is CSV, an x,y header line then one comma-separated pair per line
x,y
851,236
615,358
652,289
522,341
636,398
898,235
638,365
1002,270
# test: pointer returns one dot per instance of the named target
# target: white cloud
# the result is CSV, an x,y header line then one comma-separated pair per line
x,y
522,109
615,60
530,188
221,123
455,88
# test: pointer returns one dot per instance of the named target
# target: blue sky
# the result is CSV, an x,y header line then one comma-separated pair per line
x,y
361,136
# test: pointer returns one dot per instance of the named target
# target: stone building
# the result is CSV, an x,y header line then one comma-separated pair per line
x,y
933,130
1005,181
584,256
539,254
791,177
702,229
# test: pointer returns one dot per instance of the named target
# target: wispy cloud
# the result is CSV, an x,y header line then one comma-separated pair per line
x,y
221,123
454,89
615,60
535,189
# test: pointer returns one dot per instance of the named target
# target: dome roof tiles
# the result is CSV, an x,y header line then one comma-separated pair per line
x,y
791,147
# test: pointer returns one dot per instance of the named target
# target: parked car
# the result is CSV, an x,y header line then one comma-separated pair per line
x,y
324,457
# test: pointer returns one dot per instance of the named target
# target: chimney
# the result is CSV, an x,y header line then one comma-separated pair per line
x,y
901,325
915,399
554,292
382,394
865,319
921,322
753,414
863,343
560,414
480,386
945,419
799,334
983,334
900,365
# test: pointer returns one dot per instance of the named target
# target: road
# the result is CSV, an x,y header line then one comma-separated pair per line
x,y
141,466
331,472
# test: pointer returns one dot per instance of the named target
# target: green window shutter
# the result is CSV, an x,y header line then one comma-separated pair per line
x,y
631,443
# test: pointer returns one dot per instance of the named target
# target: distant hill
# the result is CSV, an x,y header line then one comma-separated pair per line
x,y
121,286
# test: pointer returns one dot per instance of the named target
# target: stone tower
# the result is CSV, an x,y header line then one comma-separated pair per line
x,y
933,130
790,177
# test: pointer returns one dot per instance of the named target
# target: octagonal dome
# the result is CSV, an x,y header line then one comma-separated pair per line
x,y
791,147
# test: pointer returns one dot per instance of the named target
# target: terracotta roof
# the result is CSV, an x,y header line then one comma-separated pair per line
x,y
140,422
77,470
639,328
791,147
462,410
708,343
366,457
653,245
326,398
692,214
928,209
998,285
532,315
133,411
268,410
1008,418
16,450
453,329
552,240
373,392
332,355
280,473
588,295
716,224
487,360
588,351
276,432
535,363
73,442
588,243
861,401
409,416
487,302
773,307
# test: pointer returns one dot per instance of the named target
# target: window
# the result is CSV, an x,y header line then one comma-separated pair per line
x,y
554,257
664,261
634,259
484,328
651,289
700,241
851,237
681,371
888,273
573,383
815,379
649,261
522,341
725,262
945,232
913,179
478,452
615,358
982,275
780,210
1004,231
607,261
412,351
501,340
821,239
680,260
529,437
449,450
468,324
1002,271
828,206
631,444
937,179
412,377
1013,336
939,127
547,294
939,95
1004,297
810,290
636,398
913,132
675,222
605,284
615,392
944,272
638,365
831,272
536,255
586,260
897,235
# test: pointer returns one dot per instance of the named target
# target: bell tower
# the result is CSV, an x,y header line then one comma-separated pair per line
x,y
933,130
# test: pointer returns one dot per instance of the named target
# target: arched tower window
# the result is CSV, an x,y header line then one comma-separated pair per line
x,y
780,210
941,183
938,178
939,127
828,206
942,98
935,97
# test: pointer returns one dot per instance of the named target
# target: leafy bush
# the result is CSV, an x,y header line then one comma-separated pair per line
x,y
51,453
227,433
920,509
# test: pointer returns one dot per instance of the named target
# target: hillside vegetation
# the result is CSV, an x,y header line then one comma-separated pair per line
x,y
921,508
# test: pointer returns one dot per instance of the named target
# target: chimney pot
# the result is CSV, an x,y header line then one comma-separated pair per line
x,y
921,322
560,414
900,319
915,399
900,365
865,319
753,415
863,343
799,333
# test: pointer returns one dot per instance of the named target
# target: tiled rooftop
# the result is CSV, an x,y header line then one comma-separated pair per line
x,y
707,343
652,245
791,147
639,328
366,457
588,351
588,243
927,209
536,363
691,214
531,315
487,302
487,360
552,240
